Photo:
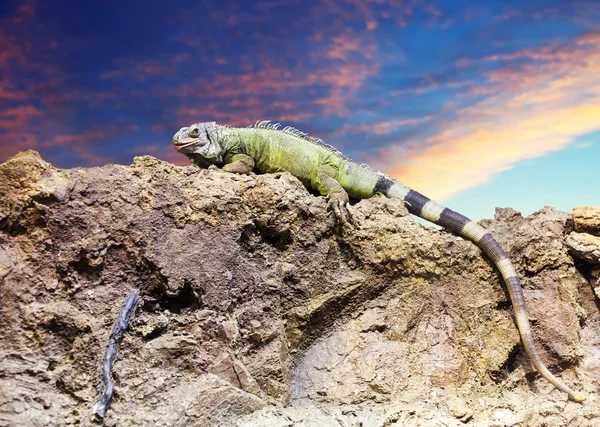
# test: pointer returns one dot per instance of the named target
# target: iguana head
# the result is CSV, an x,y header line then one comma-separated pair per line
x,y
200,142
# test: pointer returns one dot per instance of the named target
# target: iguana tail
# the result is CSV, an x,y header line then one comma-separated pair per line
x,y
423,207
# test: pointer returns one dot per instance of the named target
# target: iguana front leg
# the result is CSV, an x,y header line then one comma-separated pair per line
x,y
240,163
323,180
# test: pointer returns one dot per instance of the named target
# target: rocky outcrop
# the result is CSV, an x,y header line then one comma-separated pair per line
x,y
584,246
586,219
584,241
257,309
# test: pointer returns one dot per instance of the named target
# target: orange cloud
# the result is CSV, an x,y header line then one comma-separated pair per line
x,y
13,50
140,70
91,158
533,109
189,115
384,127
72,140
344,45
9,93
13,142
329,78
18,117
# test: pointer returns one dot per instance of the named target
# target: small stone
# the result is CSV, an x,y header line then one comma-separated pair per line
x,y
155,327
459,409
19,406
204,314
584,246
229,330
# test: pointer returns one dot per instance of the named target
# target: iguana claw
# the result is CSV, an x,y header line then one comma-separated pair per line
x,y
338,203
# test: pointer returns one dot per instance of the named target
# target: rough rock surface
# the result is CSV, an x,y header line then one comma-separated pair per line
x,y
584,246
259,311
586,219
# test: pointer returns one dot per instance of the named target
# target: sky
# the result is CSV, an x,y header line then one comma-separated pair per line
x,y
474,103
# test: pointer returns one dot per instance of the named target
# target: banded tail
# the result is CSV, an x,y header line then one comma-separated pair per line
x,y
425,208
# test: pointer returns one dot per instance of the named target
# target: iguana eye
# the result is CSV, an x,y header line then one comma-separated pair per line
x,y
194,133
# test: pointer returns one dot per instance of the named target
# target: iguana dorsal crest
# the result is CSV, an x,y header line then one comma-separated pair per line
x,y
267,124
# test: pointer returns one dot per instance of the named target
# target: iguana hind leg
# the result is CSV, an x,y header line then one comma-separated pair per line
x,y
323,180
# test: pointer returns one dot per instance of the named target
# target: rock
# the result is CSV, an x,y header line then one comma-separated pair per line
x,y
459,409
586,219
584,246
155,327
258,310
234,371
595,281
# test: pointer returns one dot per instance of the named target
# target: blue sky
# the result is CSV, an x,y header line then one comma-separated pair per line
x,y
474,103
561,179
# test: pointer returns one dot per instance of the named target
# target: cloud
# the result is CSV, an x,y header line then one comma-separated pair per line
x,y
77,139
13,50
530,108
373,12
384,127
319,86
89,157
18,117
8,92
12,143
141,70
25,11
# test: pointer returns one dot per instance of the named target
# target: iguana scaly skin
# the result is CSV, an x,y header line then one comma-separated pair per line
x,y
265,148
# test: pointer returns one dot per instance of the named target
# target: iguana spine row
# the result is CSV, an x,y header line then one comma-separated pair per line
x,y
267,124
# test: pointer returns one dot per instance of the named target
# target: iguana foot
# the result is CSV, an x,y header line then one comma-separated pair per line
x,y
338,203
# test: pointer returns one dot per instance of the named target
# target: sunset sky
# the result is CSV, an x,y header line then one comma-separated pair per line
x,y
476,104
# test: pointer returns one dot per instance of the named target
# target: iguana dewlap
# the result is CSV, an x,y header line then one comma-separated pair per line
x,y
264,148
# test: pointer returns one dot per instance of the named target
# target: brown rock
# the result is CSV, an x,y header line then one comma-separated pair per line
x,y
584,246
267,301
586,219
459,409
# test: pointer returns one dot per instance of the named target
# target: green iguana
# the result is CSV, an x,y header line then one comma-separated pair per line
x,y
265,148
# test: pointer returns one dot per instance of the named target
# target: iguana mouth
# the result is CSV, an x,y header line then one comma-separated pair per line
x,y
187,144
